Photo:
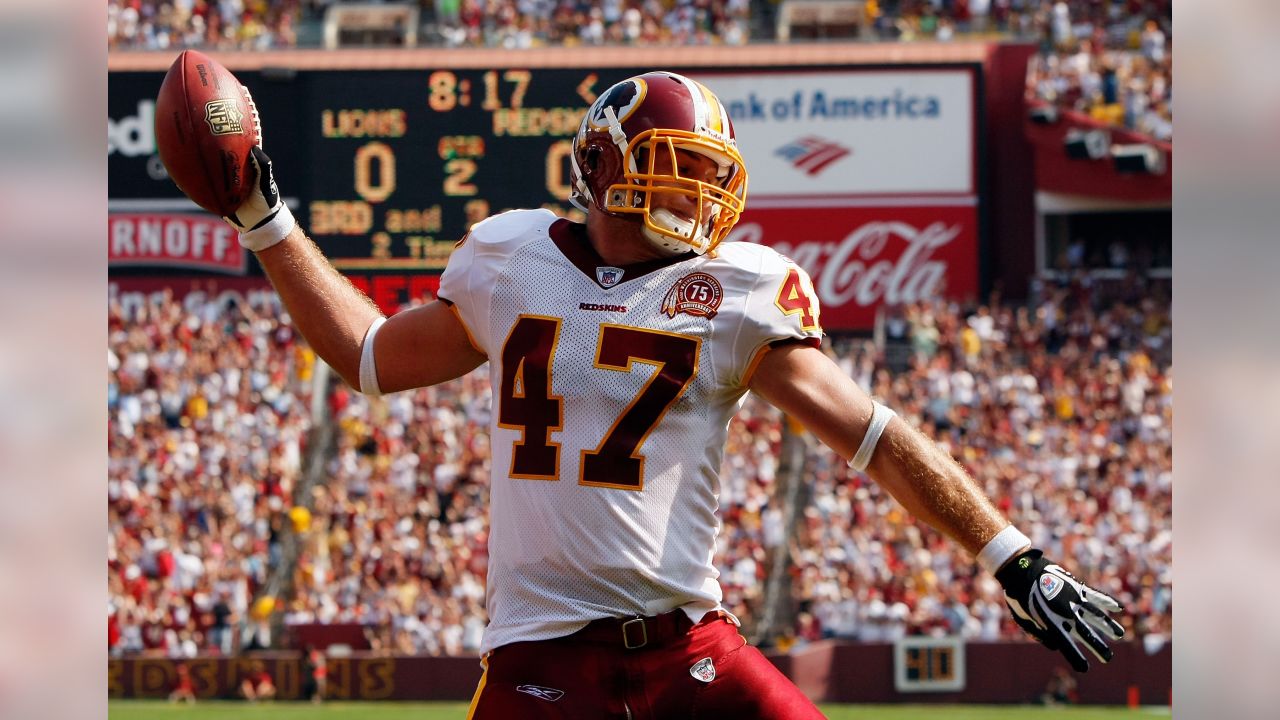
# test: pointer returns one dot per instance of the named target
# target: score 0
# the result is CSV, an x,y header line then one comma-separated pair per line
x,y
379,189
376,191
375,180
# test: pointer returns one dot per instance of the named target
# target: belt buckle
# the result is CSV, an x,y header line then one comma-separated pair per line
x,y
626,635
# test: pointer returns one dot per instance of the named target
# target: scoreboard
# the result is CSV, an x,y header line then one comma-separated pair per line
x,y
403,162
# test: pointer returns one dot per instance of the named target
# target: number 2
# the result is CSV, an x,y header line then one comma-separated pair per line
x,y
458,171
527,404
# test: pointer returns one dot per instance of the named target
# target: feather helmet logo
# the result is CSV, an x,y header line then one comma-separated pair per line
x,y
623,98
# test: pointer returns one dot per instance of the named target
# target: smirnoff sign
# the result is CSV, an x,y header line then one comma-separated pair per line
x,y
862,258
183,240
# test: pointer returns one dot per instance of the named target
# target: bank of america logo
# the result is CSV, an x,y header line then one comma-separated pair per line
x,y
812,154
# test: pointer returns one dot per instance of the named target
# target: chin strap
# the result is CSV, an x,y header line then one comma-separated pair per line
x,y
670,221
619,137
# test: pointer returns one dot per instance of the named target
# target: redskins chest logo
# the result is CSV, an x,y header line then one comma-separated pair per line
x,y
697,294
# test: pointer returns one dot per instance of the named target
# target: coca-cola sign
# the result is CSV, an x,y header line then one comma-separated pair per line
x,y
862,258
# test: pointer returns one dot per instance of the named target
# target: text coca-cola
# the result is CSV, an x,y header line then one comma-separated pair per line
x,y
872,261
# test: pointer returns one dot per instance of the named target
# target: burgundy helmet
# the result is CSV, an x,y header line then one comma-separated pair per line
x,y
622,135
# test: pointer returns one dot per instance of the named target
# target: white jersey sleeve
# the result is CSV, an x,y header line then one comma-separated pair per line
x,y
479,260
780,306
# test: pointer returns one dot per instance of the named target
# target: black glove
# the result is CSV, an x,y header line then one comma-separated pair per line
x,y
263,219
1057,609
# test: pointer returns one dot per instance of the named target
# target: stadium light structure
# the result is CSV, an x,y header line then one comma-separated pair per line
x,y
1043,114
1087,144
1138,158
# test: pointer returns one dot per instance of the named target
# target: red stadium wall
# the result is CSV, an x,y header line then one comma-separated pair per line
x,y
996,673
826,671
1009,256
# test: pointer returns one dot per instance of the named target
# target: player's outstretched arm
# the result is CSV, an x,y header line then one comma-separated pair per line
x,y
1046,600
415,348
804,383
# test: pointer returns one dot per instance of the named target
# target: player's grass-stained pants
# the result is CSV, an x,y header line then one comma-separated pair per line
x,y
657,668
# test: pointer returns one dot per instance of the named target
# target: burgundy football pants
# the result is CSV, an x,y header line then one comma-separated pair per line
x,y
667,669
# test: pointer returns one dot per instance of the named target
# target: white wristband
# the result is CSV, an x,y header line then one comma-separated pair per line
x,y
880,417
272,233
1003,546
368,371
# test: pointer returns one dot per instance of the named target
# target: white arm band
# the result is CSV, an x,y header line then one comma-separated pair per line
x,y
368,371
1003,546
880,416
272,233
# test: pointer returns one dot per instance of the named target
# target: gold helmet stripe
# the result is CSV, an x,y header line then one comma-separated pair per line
x,y
716,117
701,110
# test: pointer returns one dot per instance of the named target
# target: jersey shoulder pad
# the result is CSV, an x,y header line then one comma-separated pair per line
x,y
511,229
753,260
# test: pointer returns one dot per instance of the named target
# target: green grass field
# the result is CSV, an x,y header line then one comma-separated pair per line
x,y
158,710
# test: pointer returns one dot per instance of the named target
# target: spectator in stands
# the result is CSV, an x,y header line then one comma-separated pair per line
x,y
1062,31
315,668
1061,688
1153,42
183,689
257,684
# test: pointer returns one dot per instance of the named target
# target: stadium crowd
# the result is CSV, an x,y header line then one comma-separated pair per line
x,y
263,24
400,532
1060,408
208,414
530,23
1109,61
212,24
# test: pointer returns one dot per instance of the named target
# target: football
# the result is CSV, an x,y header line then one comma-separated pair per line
x,y
206,124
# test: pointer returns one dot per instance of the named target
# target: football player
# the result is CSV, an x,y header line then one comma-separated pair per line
x,y
618,351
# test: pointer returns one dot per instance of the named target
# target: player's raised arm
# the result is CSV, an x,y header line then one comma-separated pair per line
x,y
1045,599
202,124
415,348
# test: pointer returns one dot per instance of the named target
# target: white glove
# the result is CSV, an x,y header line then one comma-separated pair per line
x,y
263,220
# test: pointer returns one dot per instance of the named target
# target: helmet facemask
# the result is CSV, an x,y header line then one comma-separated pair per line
x,y
716,206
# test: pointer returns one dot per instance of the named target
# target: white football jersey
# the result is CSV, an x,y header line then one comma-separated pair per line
x,y
612,393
